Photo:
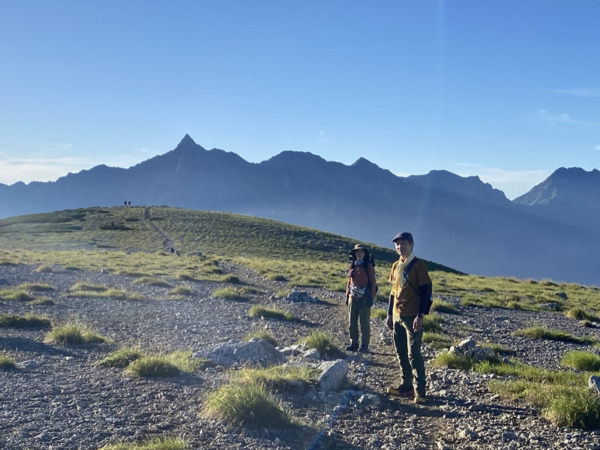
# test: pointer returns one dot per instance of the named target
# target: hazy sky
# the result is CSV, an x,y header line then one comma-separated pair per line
x,y
505,89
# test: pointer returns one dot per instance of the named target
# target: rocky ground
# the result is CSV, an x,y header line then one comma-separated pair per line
x,y
60,400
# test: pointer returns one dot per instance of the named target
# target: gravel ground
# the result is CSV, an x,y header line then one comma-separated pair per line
x,y
61,400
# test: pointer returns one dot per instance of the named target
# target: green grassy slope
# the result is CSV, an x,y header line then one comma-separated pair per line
x,y
215,234
134,241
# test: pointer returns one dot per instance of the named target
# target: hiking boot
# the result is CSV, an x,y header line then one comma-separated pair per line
x,y
419,399
363,349
401,391
352,347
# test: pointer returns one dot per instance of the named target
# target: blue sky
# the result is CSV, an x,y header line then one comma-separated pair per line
x,y
508,90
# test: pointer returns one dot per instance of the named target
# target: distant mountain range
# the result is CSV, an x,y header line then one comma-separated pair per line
x,y
550,232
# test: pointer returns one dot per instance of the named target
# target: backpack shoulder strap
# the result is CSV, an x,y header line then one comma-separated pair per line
x,y
410,264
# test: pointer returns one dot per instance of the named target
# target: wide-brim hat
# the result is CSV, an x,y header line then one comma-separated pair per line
x,y
358,247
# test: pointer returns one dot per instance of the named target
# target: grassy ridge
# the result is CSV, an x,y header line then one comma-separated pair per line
x,y
124,238
223,235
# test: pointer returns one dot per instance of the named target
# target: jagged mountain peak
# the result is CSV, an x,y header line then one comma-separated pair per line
x,y
187,143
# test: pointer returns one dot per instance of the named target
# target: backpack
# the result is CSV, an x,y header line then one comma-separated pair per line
x,y
369,260
425,291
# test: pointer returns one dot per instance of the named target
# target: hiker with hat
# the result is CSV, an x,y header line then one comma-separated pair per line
x,y
361,289
410,300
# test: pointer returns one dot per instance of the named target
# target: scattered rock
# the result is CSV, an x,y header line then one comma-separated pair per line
x,y
333,375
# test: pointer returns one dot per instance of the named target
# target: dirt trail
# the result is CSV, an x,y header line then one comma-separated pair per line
x,y
166,239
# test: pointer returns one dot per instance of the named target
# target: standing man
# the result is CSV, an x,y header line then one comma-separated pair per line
x,y
410,300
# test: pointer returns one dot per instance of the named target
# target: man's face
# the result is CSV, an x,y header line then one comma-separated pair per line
x,y
403,248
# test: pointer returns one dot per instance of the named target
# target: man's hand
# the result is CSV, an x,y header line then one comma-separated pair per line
x,y
389,322
417,324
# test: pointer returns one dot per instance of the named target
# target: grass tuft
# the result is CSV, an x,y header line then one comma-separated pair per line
x,y
15,295
453,361
379,313
7,362
573,408
580,314
322,341
444,307
262,334
154,444
152,366
74,334
581,361
436,340
27,321
277,377
432,323
269,313
246,404
121,358
170,365
181,291
538,332
229,294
